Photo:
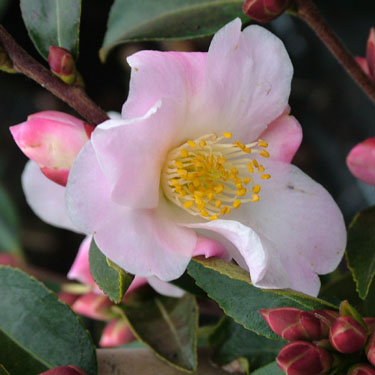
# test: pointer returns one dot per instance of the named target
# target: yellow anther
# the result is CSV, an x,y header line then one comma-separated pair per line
x,y
198,194
250,167
178,164
225,210
261,169
262,143
204,213
236,203
201,205
210,196
247,150
182,172
196,182
218,203
202,143
255,198
238,183
264,153
256,189
213,217
174,182
240,145
188,204
184,153
182,193
190,176
219,189
246,180
191,143
234,171
266,176
227,135
255,162
191,188
221,160
241,192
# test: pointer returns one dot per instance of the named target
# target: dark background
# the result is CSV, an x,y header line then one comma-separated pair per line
x,y
335,114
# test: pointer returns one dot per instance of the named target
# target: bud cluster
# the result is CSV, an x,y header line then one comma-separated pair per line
x,y
320,340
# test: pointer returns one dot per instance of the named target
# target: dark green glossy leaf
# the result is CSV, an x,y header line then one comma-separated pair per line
x,y
270,369
168,326
9,225
230,286
37,331
360,252
232,341
111,279
52,23
131,21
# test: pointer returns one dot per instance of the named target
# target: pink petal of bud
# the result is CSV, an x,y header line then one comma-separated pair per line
x,y
117,332
363,64
361,369
370,322
302,358
361,161
8,260
93,305
347,335
64,370
370,53
293,324
53,140
265,10
68,298
62,64
370,349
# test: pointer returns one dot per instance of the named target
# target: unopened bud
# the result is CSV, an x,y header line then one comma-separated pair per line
x,y
6,64
64,370
7,259
117,332
68,298
368,63
370,322
361,369
265,10
62,64
293,324
370,349
347,335
93,305
303,357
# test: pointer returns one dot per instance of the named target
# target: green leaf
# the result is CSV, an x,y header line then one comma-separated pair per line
x,y
9,225
168,326
37,331
111,279
360,254
3,370
52,23
232,341
270,369
230,286
131,21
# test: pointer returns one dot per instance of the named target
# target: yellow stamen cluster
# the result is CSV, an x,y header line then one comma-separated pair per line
x,y
209,176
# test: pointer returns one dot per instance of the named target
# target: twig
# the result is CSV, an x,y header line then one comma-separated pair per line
x,y
74,96
307,11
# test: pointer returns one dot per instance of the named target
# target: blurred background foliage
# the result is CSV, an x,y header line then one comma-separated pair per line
x,y
333,111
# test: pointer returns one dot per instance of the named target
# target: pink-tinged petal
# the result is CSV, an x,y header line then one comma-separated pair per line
x,y
52,140
7,259
68,298
209,247
370,52
117,332
171,75
284,136
93,305
45,198
131,154
361,161
80,269
64,370
137,283
164,288
248,77
363,64
144,242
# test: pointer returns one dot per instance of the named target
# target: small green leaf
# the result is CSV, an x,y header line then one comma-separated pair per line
x,y
168,326
111,279
232,341
360,252
131,21
52,23
230,286
270,369
37,331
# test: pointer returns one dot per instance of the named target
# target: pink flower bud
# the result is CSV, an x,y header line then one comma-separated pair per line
x,y
361,369
64,370
293,324
361,161
93,305
265,10
62,64
368,64
326,317
347,335
53,140
68,298
303,357
7,259
370,322
370,349
117,332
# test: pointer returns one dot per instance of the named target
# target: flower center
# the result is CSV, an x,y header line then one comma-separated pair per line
x,y
209,176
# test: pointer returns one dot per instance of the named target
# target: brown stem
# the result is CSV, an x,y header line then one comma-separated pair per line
x,y
74,96
310,14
